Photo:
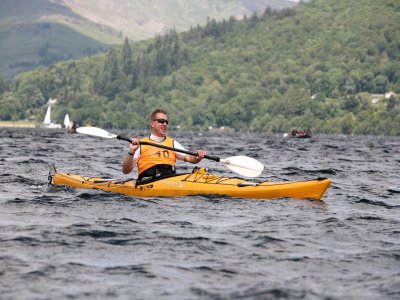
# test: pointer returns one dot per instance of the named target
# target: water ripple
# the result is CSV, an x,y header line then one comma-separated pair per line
x,y
59,243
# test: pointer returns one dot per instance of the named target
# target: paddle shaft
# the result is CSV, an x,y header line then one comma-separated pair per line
x,y
242,165
169,148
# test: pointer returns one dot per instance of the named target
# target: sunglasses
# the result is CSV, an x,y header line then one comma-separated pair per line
x,y
161,121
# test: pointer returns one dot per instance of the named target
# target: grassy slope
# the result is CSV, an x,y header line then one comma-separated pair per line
x,y
95,24
30,45
137,19
28,39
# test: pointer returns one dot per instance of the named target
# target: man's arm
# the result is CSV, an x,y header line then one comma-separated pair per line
x,y
187,157
127,165
195,159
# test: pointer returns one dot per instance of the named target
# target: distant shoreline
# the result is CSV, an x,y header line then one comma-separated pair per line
x,y
19,124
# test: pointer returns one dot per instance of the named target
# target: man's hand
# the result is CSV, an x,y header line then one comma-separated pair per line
x,y
134,145
200,154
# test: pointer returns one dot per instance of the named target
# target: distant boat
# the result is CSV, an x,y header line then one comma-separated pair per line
x,y
302,134
47,119
67,122
69,125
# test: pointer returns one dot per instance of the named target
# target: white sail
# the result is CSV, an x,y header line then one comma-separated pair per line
x,y
47,119
67,121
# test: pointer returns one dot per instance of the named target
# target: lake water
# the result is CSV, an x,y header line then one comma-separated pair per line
x,y
58,243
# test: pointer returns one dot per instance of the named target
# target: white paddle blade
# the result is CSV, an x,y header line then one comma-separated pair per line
x,y
95,131
244,165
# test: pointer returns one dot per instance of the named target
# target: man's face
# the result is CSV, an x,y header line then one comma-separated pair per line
x,y
159,124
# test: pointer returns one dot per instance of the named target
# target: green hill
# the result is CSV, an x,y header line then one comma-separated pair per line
x,y
34,33
31,45
42,32
314,66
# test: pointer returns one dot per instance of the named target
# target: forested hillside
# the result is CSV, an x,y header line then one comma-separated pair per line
x,y
313,66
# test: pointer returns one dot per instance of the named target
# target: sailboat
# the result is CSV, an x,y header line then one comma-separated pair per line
x,y
69,125
47,119
67,122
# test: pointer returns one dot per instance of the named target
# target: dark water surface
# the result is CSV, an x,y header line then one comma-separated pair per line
x,y
58,243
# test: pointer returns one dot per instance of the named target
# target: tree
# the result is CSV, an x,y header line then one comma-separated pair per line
x,y
11,107
351,103
380,84
127,59
111,65
3,85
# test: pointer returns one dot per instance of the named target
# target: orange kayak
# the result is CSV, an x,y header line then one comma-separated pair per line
x,y
199,182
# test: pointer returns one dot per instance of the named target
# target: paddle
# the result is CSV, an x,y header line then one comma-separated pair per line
x,y
243,165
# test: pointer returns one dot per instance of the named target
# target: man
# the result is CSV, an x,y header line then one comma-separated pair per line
x,y
153,162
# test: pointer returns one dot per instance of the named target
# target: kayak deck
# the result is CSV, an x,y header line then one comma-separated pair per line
x,y
199,182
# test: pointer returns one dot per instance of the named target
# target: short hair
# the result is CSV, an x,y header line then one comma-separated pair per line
x,y
158,111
